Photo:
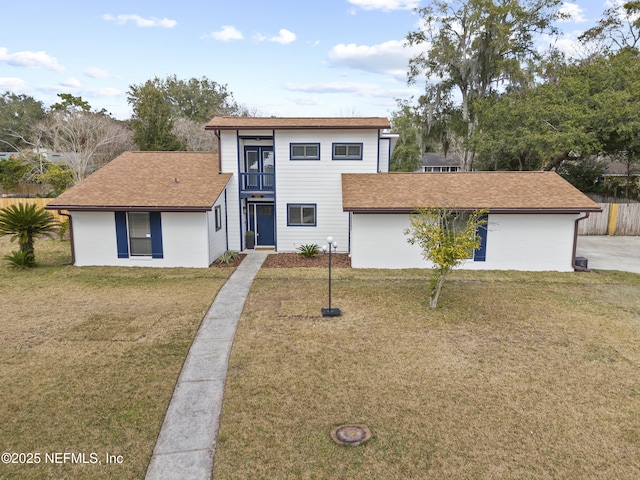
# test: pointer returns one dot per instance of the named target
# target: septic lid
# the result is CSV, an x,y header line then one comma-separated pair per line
x,y
352,435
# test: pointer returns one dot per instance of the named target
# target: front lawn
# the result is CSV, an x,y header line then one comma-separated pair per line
x,y
515,375
89,358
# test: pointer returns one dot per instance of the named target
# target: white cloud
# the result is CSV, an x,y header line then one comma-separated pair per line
x,y
307,101
30,60
284,36
140,21
95,72
391,58
368,90
575,12
13,84
71,82
226,34
386,5
105,92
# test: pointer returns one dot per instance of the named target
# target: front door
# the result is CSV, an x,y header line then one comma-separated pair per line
x,y
265,225
262,220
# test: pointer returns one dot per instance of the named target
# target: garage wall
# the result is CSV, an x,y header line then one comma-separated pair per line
x,y
184,241
528,242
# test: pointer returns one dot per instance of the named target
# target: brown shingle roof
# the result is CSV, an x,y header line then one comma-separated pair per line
x,y
496,191
249,123
147,180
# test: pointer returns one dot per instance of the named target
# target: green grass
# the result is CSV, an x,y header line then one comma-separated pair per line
x,y
89,357
515,375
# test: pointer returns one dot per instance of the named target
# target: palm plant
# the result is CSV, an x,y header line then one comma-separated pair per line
x,y
26,222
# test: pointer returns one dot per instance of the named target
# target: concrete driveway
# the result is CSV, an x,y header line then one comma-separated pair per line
x,y
610,253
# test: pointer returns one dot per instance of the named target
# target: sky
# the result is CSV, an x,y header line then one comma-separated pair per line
x,y
298,58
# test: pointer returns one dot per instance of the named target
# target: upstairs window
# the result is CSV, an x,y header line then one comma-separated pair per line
x,y
347,151
305,151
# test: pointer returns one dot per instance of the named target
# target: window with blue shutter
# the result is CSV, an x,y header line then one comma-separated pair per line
x,y
121,234
156,235
139,234
480,255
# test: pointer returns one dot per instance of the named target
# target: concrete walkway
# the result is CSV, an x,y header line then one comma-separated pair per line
x,y
187,440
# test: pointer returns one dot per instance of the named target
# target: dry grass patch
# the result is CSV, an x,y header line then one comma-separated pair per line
x,y
89,358
516,375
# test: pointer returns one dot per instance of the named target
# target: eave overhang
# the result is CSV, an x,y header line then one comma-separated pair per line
x,y
471,209
128,208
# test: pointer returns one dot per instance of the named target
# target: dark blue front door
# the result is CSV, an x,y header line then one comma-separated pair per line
x,y
262,217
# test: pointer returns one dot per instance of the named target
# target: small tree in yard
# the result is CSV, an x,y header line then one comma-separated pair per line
x,y
447,237
26,222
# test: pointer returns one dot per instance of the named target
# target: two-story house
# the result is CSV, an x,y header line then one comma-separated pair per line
x,y
286,185
296,181
279,178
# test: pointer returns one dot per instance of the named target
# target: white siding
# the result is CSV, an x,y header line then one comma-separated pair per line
x,y
184,241
528,242
319,183
385,155
217,240
229,159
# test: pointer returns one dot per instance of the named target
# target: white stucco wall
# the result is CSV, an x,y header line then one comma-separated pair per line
x,y
184,241
528,242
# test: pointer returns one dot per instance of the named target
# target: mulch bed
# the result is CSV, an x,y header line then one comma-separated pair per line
x,y
294,260
234,263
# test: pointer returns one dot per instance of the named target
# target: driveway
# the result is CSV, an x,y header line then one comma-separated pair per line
x,y
610,253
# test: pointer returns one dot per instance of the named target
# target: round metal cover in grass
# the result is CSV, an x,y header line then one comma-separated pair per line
x,y
352,435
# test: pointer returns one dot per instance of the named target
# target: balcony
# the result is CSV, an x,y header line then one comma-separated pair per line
x,y
257,182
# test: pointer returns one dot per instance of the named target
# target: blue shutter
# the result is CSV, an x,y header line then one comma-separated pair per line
x,y
122,237
480,255
156,234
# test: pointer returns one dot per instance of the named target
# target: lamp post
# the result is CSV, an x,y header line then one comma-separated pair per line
x,y
330,312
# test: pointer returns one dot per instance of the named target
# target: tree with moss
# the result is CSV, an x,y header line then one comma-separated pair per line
x,y
477,47
447,237
26,222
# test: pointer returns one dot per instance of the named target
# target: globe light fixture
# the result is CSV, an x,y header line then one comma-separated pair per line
x,y
329,247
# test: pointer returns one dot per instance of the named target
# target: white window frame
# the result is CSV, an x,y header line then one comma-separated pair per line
x,y
133,252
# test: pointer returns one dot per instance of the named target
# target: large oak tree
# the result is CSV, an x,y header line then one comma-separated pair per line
x,y
471,47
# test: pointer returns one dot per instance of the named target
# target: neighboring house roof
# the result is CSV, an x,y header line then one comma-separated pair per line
x,y
615,168
256,123
438,159
167,181
506,192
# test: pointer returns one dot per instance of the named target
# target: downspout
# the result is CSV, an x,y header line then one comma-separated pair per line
x,y
217,134
73,247
577,268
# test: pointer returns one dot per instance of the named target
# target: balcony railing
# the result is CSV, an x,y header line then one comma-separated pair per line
x,y
257,182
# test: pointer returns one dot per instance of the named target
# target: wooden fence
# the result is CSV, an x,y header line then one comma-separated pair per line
x,y
615,219
41,202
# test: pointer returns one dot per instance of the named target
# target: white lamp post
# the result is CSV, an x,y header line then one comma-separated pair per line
x,y
330,312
